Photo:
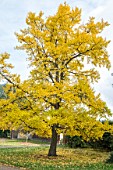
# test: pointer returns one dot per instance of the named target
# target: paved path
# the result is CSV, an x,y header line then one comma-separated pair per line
x,y
7,167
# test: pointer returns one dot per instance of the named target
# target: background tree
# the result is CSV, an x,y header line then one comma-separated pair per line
x,y
64,56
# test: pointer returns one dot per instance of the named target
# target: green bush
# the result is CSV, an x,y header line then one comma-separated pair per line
x,y
110,160
76,141
4,134
105,143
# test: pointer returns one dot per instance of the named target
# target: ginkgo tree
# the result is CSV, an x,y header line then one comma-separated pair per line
x,y
64,55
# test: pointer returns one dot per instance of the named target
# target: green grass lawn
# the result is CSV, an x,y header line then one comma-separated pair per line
x,y
35,158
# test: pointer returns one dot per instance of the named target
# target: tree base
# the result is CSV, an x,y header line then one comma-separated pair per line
x,y
52,155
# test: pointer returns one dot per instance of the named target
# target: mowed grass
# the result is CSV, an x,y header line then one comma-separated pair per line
x,y
35,158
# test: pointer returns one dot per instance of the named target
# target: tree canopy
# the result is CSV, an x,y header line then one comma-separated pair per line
x,y
58,97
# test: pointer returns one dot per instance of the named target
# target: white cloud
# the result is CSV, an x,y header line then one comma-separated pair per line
x,y
104,10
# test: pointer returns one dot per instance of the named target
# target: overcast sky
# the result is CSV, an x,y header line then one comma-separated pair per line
x,y
12,18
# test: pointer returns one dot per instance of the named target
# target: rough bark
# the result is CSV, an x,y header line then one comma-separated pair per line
x,y
53,145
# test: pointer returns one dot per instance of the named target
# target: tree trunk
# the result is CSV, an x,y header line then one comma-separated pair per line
x,y
53,145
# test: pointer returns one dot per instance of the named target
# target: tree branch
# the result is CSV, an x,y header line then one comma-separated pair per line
x,y
74,56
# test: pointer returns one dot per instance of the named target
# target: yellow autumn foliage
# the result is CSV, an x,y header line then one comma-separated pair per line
x,y
64,55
